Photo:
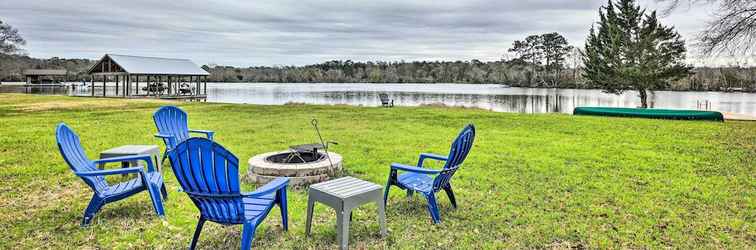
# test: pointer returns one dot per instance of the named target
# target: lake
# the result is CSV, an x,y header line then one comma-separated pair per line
x,y
485,96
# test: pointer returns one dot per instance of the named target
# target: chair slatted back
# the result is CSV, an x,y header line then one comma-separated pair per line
x,y
171,120
384,98
457,154
74,155
209,174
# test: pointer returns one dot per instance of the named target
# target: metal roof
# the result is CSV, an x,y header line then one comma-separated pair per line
x,y
155,65
45,72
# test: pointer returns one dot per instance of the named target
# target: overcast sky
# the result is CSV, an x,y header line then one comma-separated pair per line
x,y
291,32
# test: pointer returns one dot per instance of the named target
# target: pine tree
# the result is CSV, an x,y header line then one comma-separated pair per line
x,y
543,52
631,50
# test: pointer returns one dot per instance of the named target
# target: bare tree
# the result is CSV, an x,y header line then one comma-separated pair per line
x,y
733,29
10,40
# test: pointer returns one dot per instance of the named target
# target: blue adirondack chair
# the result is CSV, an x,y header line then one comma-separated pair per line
x,y
209,174
73,153
429,181
173,128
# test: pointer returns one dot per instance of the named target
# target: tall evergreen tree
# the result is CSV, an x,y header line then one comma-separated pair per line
x,y
631,50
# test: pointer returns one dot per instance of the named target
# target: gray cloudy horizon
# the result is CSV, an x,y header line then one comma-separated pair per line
x,y
243,33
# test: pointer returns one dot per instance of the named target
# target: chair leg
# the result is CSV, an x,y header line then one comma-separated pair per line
x,y
94,206
164,192
165,156
433,208
410,193
157,203
388,187
248,234
284,209
197,231
385,193
450,194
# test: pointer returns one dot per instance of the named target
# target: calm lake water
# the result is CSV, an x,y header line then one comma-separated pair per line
x,y
485,96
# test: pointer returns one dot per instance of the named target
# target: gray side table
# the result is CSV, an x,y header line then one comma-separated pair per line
x,y
126,150
343,195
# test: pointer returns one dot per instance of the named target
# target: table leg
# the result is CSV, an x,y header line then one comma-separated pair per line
x,y
126,165
382,216
342,228
158,164
310,207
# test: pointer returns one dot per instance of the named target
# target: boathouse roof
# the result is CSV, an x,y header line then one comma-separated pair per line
x,y
112,64
45,72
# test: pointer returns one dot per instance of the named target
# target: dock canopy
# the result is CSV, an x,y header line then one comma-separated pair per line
x,y
44,76
169,78
142,65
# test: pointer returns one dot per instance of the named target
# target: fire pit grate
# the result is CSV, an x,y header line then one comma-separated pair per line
x,y
304,164
295,157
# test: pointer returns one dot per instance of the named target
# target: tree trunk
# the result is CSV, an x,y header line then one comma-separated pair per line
x,y
644,98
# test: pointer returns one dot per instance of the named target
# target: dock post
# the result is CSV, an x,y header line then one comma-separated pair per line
x,y
104,79
127,86
117,82
137,85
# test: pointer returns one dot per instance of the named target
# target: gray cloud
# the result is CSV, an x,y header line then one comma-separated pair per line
x,y
290,32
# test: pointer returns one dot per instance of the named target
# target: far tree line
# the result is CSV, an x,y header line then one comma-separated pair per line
x,y
512,72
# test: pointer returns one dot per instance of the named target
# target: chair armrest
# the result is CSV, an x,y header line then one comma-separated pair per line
x,y
397,166
424,156
208,133
145,158
273,186
112,171
171,139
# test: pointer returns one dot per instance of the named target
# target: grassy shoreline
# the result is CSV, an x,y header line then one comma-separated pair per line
x,y
531,181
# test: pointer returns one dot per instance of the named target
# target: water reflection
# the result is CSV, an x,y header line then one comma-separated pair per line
x,y
43,90
485,96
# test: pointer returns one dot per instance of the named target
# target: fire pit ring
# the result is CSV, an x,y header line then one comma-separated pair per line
x,y
263,168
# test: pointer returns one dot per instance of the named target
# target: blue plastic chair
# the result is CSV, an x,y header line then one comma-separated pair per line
x,y
173,128
209,174
421,180
73,153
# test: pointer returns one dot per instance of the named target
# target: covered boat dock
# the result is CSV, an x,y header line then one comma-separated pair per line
x,y
45,76
148,77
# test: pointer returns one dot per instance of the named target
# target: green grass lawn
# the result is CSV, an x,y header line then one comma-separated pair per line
x,y
530,181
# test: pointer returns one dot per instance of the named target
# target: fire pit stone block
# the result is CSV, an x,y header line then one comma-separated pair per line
x,y
261,170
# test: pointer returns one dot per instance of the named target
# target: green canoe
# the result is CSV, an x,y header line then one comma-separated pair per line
x,y
651,113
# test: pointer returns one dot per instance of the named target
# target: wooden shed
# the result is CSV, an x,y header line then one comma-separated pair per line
x,y
139,76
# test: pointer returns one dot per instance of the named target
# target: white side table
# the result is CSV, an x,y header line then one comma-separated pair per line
x,y
343,195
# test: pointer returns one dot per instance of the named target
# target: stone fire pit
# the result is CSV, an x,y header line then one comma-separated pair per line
x,y
303,169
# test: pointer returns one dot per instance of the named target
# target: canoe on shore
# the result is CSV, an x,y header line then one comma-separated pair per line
x,y
651,113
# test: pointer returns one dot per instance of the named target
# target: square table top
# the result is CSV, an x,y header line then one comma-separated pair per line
x,y
132,150
346,187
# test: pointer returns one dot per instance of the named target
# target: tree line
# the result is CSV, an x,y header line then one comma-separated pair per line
x,y
512,72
